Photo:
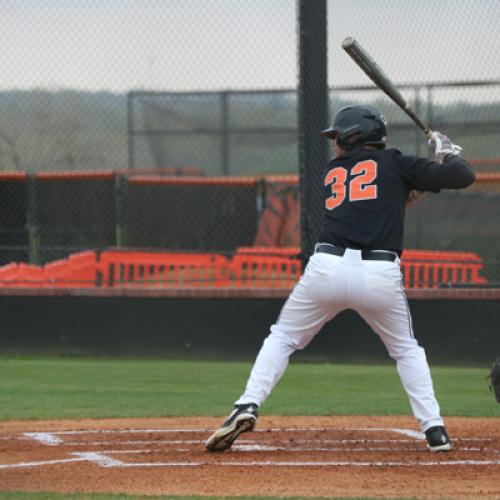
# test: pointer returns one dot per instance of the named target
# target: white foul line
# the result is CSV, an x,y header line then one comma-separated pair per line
x,y
102,460
43,462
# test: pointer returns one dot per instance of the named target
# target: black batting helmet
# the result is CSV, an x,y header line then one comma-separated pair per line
x,y
357,125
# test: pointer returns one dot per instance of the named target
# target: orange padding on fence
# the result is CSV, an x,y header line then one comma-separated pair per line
x,y
488,177
75,176
194,175
250,267
186,170
79,175
193,181
13,176
485,161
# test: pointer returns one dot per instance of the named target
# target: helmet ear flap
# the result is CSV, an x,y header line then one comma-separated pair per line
x,y
349,141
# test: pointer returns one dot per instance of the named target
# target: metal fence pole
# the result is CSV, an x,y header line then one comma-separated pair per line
x,y
418,132
119,182
130,131
430,112
313,116
32,222
224,97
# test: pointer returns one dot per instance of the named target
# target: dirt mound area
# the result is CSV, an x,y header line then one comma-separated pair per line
x,y
382,457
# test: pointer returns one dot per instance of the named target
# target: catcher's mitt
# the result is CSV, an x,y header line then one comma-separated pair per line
x,y
494,377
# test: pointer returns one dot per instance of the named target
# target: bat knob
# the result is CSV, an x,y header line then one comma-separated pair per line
x,y
347,42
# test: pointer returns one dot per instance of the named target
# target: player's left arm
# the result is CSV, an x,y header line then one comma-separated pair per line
x,y
455,172
447,171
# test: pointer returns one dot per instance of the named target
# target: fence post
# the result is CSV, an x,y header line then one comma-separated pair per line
x,y
430,114
225,133
312,117
130,131
119,218
32,222
418,132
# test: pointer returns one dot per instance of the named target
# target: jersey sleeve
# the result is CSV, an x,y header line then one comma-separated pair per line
x,y
426,175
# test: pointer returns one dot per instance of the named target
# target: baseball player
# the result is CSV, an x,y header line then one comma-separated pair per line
x,y
356,265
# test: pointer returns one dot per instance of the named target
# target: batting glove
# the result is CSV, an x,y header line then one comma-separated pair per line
x,y
440,145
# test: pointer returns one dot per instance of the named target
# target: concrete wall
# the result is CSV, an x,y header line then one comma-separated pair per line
x,y
454,331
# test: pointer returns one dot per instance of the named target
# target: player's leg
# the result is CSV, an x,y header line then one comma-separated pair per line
x,y
384,307
314,300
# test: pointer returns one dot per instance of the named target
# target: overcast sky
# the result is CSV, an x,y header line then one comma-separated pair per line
x,y
119,45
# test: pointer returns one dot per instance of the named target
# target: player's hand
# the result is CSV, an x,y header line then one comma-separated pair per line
x,y
440,145
414,196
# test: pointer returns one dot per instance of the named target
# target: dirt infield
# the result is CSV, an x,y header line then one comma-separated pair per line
x,y
382,457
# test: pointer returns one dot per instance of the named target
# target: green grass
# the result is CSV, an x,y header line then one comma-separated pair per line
x,y
32,388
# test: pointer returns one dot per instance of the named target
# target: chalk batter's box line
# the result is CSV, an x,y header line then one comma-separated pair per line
x,y
409,432
103,459
279,445
55,438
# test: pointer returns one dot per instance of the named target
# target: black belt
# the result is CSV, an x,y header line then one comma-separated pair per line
x,y
365,254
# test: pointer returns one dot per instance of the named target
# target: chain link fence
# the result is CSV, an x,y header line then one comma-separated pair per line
x,y
129,140
226,133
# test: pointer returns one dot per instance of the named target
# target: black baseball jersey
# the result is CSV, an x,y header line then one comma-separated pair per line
x,y
365,193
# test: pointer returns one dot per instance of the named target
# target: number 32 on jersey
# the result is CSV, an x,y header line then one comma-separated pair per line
x,y
361,185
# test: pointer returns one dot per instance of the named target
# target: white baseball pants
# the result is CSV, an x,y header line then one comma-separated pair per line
x,y
329,285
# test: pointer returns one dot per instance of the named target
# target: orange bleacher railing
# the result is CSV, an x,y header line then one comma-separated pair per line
x,y
173,270
430,269
250,267
264,271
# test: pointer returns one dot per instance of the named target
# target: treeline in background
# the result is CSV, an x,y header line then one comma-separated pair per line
x,y
238,133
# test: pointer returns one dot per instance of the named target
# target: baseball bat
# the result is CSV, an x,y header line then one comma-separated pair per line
x,y
381,80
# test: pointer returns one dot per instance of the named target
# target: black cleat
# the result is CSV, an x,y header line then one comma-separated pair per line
x,y
437,439
241,419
